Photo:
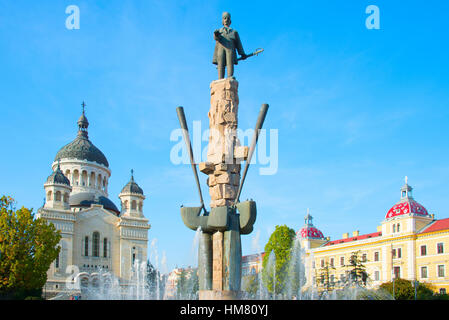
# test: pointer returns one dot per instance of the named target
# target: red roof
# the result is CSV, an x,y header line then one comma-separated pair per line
x,y
361,237
406,207
310,232
437,225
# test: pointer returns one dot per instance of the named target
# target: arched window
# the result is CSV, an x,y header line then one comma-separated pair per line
x,y
92,179
84,178
58,196
104,184
133,256
140,206
126,204
133,205
84,282
105,247
99,182
96,244
49,196
76,177
86,246
66,197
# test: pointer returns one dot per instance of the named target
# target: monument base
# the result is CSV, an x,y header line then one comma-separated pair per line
x,y
219,295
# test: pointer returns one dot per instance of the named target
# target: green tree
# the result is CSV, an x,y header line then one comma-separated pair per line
x,y
405,290
153,280
27,248
251,284
278,251
324,278
357,270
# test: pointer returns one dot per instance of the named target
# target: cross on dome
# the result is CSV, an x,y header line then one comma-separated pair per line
x,y
308,218
406,190
83,124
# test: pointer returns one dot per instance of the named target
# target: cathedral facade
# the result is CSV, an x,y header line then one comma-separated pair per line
x,y
97,237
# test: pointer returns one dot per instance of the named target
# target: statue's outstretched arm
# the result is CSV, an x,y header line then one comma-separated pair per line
x,y
239,46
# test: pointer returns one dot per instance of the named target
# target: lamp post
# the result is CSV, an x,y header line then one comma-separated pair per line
x,y
392,269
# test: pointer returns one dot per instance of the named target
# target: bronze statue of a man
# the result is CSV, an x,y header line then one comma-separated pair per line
x,y
226,45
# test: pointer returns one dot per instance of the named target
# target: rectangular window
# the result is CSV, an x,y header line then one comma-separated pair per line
x,y
342,261
441,270
57,262
332,262
376,256
440,247
397,272
105,247
397,253
96,244
376,275
424,272
86,246
394,228
423,250
364,257
399,226
322,263
442,290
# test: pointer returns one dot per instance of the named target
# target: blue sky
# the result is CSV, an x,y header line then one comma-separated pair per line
x,y
356,109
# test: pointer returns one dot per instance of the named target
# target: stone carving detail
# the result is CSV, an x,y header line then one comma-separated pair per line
x,y
223,181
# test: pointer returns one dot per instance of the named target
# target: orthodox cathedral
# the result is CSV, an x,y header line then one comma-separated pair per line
x,y
97,237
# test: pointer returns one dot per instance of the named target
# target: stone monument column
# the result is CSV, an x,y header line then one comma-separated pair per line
x,y
221,166
223,170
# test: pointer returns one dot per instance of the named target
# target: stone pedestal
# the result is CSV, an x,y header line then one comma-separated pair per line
x,y
221,166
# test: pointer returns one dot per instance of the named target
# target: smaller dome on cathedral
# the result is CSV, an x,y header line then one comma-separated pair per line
x,y
309,231
57,177
132,186
82,121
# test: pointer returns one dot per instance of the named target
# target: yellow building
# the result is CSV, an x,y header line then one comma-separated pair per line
x,y
410,243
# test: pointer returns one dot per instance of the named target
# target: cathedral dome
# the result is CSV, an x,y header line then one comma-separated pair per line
x,y
309,231
57,177
82,148
86,199
132,186
407,205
